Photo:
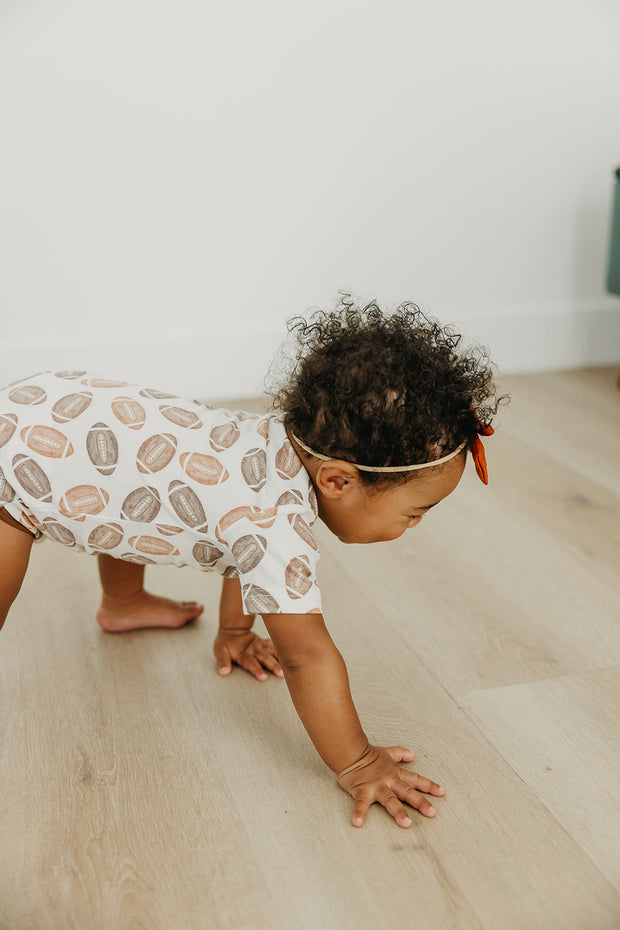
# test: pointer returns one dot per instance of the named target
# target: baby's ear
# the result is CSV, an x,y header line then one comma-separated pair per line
x,y
334,477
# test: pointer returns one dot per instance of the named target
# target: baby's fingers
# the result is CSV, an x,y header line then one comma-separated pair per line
x,y
413,780
271,662
362,803
253,666
414,799
394,807
223,659
400,754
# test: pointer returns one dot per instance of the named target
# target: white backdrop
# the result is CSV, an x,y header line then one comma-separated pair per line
x,y
178,177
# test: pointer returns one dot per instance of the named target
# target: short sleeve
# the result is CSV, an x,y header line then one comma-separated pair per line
x,y
276,560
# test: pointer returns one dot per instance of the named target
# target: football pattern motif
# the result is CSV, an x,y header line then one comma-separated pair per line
x,y
71,406
254,468
225,436
28,394
206,554
287,462
248,551
298,576
205,469
8,425
186,504
58,532
156,452
105,466
7,493
102,448
106,536
47,441
186,418
129,411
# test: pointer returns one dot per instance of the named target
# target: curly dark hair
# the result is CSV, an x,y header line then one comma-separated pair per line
x,y
384,389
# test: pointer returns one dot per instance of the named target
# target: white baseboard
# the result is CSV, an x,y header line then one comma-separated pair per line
x,y
231,362
552,338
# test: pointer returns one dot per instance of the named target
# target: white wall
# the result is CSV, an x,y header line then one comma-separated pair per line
x,y
180,176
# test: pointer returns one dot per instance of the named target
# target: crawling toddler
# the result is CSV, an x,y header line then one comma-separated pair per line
x,y
374,427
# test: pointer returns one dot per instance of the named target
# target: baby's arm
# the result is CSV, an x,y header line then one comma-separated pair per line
x,y
235,641
319,686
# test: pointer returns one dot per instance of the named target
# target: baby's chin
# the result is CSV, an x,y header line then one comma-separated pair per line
x,y
362,541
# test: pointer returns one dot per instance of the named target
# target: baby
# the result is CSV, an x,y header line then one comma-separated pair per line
x,y
376,421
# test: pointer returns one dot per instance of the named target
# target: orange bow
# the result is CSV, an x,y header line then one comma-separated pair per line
x,y
478,454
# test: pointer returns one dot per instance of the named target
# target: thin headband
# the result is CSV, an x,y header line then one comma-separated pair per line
x,y
328,458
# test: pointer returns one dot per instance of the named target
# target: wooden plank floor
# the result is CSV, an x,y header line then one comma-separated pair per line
x,y
140,791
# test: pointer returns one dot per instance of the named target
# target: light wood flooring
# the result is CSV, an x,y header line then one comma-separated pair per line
x,y
140,791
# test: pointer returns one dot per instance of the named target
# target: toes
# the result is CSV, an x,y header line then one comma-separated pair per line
x,y
193,606
187,611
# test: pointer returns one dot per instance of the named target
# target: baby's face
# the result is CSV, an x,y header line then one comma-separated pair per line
x,y
355,516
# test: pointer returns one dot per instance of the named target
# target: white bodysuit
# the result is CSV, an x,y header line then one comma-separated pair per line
x,y
107,466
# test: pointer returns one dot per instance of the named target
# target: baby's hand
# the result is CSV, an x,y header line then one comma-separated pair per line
x,y
376,777
245,648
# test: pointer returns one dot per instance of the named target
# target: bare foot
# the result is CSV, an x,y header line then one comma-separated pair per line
x,y
118,615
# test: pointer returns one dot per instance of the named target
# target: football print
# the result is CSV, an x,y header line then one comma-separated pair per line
x,y
262,428
287,462
81,500
8,425
203,468
156,452
153,546
230,572
141,505
102,448
262,518
166,530
254,468
129,412
28,394
223,437
103,383
313,501
106,536
156,395
57,531
182,417
187,506
71,406
206,554
140,559
69,375
45,440
289,497
7,493
248,552
32,478
259,601
302,529
297,577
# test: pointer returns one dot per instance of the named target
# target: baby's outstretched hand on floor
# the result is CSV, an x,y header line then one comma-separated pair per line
x,y
376,777
248,650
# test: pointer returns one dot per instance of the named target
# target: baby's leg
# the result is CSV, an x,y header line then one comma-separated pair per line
x,y
15,546
125,604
